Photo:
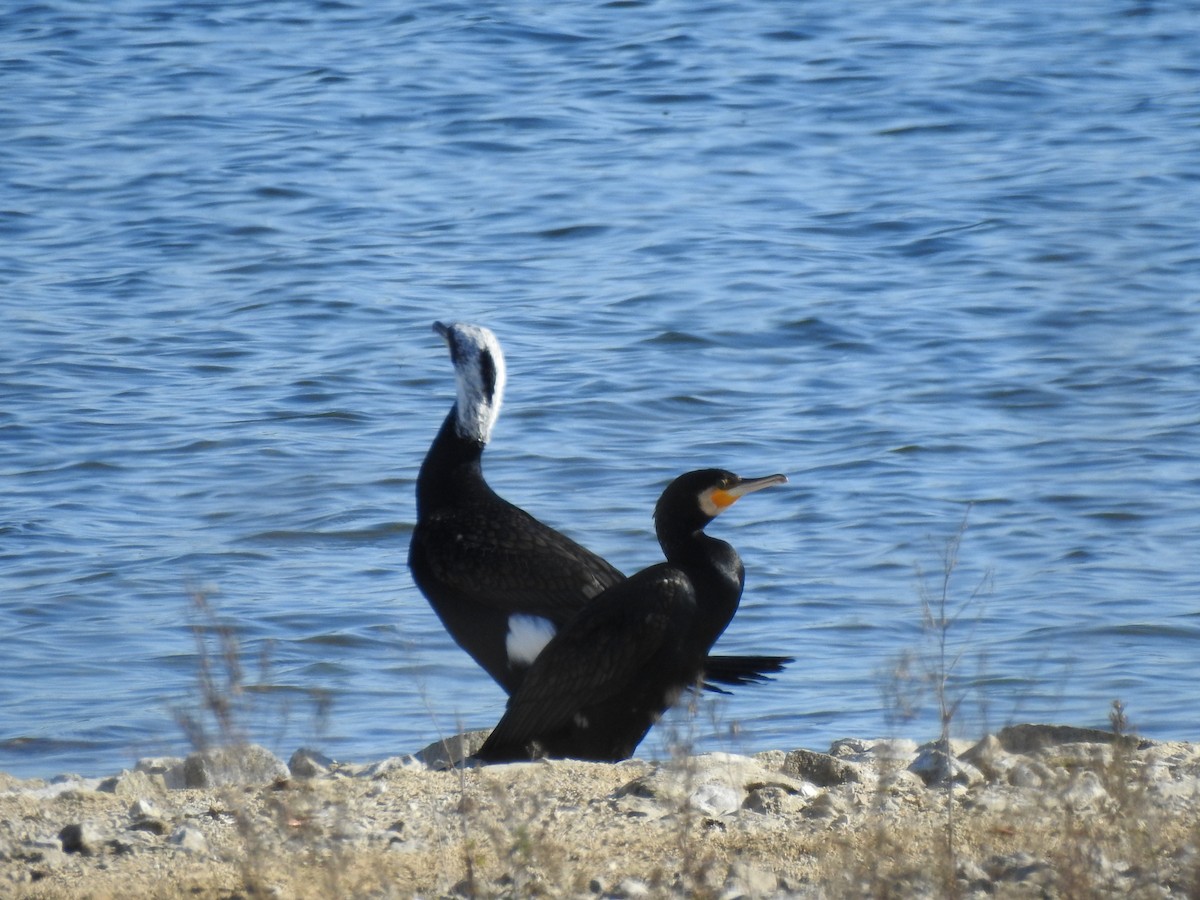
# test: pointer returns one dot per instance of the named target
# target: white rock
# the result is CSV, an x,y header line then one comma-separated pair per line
x,y
745,880
391,764
446,754
1027,738
60,785
827,806
170,768
714,783
992,799
1085,792
822,769
308,763
189,839
936,767
144,809
894,749
246,764
974,875
990,757
770,759
45,851
849,747
147,818
1027,775
630,888
716,799
772,800
133,783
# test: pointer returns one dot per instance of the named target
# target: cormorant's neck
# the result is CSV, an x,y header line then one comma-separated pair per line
x,y
716,573
704,557
451,465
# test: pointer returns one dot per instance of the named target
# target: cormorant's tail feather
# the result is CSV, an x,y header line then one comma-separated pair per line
x,y
740,670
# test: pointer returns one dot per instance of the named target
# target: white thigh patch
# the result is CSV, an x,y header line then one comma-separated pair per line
x,y
527,635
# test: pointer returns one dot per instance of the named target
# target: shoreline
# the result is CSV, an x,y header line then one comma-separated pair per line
x,y
1033,810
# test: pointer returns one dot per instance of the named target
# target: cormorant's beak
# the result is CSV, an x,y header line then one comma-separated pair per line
x,y
725,497
443,330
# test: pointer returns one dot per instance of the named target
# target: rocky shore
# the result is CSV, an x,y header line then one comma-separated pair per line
x,y
1032,811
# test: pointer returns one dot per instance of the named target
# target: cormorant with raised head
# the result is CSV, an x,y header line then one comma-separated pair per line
x,y
605,678
502,582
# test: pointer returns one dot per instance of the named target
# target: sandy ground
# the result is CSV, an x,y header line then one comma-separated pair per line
x,y
1055,817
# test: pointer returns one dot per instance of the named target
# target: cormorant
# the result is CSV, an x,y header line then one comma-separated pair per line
x,y
605,678
502,582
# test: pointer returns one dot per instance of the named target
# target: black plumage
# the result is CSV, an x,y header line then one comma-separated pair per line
x,y
502,582
604,680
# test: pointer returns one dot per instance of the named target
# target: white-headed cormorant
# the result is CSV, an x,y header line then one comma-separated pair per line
x,y
606,677
502,582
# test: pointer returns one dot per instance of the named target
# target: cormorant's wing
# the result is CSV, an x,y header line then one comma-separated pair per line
x,y
512,562
598,656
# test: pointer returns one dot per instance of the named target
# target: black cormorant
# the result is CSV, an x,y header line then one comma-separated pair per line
x,y
502,582
605,678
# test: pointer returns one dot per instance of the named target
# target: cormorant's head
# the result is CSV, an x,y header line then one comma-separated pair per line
x,y
479,374
694,499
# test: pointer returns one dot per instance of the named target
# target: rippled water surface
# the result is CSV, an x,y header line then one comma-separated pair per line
x,y
936,262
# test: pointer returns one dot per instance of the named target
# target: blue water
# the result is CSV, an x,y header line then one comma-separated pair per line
x,y
937,262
